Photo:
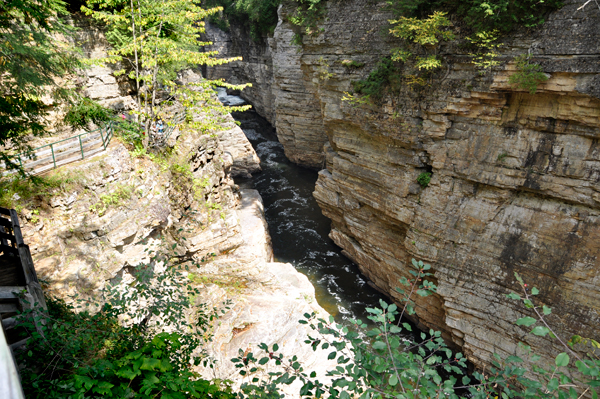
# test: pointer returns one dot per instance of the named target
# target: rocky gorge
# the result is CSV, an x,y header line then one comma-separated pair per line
x,y
515,176
104,217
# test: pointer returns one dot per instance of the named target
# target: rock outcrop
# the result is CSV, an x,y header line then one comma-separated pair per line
x,y
104,216
515,176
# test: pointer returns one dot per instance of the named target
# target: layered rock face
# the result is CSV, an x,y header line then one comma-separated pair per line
x,y
515,178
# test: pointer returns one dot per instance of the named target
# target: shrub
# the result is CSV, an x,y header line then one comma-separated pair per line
x,y
385,76
77,354
352,64
383,363
482,15
85,113
259,15
528,76
424,178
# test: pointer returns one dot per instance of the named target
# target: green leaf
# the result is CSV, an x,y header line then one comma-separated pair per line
x,y
546,310
394,329
379,345
534,291
540,331
150,364
553,384
264,360
526,321
331,355
512,295
562,360
393,381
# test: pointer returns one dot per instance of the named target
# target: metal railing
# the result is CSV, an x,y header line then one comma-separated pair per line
x,y
75,148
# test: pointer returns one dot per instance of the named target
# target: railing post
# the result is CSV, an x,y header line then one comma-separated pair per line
x,y
53,158
101,136
81,146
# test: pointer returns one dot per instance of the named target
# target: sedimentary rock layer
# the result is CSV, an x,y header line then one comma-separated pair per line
x,y
515,176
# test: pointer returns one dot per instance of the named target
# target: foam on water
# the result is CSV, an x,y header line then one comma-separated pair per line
x,y
226,99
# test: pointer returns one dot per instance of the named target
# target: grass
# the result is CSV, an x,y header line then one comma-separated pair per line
x,y
220,281
117,197
17,192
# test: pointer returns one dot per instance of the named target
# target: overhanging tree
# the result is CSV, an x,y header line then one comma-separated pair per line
x,y
153,40
31,61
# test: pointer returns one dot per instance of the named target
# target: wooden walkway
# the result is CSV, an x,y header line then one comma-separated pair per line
x,y
20,289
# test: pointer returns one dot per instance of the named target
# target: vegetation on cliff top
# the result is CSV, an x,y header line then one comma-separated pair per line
x,y
32,60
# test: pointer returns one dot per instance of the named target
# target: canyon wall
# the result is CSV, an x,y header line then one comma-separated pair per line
x,y
102,219
515,183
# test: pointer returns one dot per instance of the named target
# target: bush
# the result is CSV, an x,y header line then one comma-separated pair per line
x,y
383,363
424,179
481,15
528,76
259,15
82,354
385,76
85,113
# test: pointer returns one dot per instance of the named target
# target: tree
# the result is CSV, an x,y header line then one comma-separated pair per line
x,y
153,40
31,61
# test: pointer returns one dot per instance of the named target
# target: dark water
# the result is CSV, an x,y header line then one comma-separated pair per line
x,y
299,230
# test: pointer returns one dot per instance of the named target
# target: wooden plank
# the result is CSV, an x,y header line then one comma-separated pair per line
x,y
5,222
8,308
6,236
70,143
59,157
16,227
9,292
8,249
18,344
8,323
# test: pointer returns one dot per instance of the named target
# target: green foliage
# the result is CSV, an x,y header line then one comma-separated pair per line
x,y
259,15
77,354
16,192
429,31
528,76
86,112
31,60
352,64
129,132
382,362
306,16
385,76
487,44
482,15
153,41
419,56
116,197
427,34
424,178
505,15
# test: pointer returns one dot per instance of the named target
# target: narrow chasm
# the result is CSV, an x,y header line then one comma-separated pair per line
x,y
298,229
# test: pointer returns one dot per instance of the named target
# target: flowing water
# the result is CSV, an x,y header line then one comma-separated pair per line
x,y
298,229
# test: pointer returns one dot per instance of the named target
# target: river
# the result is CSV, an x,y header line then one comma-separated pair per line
x,y
298,229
